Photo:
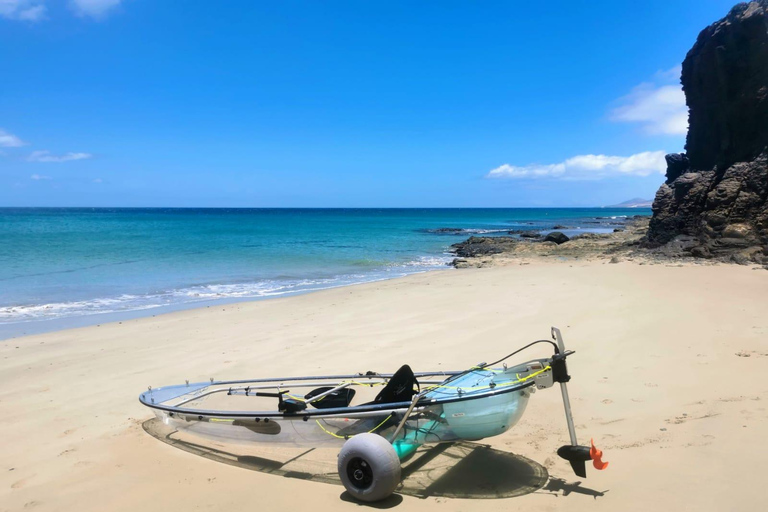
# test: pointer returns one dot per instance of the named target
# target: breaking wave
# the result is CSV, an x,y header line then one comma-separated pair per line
x,y
191,295
464,231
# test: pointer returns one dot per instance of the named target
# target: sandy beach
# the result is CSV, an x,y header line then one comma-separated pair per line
x,y
668,379
283,204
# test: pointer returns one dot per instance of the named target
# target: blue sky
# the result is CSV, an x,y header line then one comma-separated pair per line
x,y
349,104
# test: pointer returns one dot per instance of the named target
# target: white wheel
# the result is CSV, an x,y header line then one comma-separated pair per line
x,y
369,467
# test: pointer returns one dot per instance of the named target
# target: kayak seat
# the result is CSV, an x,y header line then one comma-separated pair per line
x,y
400,388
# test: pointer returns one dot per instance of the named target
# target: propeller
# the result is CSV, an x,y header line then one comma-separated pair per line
x,y
577,456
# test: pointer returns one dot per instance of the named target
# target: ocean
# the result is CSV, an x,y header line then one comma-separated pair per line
x,y
62,267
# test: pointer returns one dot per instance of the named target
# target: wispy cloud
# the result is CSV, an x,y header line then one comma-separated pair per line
x,y
47,157
9,140
97,9
23,10
98,180
587,167
658,106
39,177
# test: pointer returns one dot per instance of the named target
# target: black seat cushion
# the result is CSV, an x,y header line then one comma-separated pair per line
x,y
400,387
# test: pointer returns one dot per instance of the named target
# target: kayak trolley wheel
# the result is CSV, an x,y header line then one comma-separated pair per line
x,y
369,467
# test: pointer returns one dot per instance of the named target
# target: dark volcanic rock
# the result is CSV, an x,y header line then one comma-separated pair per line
x,y
716,195
482,246
590,236
450,231
557,237
677,164
524,233
725,79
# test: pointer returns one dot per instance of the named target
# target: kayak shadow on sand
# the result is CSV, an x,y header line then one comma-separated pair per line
x,y
450,470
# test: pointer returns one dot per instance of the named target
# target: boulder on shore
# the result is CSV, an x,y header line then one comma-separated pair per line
x,y
557,237
483,246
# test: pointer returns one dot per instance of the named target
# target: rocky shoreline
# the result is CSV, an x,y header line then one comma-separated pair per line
x,y
628,244
713,206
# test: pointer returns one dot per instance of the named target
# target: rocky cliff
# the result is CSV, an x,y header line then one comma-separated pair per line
x,y
715,199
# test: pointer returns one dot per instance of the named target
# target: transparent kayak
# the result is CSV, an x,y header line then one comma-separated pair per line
x,y
449,406
377,418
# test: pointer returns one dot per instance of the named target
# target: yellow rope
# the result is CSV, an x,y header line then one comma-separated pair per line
x,y
358,383
374,429
503,384
534,374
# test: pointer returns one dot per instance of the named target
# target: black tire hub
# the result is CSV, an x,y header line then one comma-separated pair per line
x,y
359,473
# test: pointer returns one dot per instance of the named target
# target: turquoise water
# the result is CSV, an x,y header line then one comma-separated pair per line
x,y
74,262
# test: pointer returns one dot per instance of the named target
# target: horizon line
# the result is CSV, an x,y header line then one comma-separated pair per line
x,y
333,207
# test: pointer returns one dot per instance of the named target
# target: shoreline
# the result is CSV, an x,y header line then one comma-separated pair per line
x,y
9,330
480,251
628,244
77,303
652,344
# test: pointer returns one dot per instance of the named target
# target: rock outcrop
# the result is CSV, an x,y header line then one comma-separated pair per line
x,y
476,246
557,237
500,250
715,199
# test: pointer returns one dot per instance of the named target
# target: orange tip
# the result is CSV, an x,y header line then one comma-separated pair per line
x,y
596,456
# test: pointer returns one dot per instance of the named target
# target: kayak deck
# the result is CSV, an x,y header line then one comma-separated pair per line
x,y
459,405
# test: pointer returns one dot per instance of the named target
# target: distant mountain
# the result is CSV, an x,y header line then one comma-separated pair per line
x,y
634,203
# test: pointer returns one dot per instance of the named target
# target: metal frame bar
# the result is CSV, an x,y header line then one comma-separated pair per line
x,y
203,392
358,376
564,391
332,412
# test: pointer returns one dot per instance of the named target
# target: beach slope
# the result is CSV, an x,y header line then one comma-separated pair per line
x,y
668,378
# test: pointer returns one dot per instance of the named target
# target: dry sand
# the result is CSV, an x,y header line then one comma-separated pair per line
x,y
670,378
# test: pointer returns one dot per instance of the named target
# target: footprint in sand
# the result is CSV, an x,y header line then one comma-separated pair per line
x,y
677,420
738,398
68,432
31,504
750,353
19,484
68,451
607,401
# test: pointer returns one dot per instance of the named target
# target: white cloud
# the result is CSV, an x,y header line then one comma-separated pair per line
x,y
587,167
39,177
669,75
9,140
24,10
47,157
658,106
97,9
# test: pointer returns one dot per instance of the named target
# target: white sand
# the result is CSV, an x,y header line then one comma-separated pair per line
x,y
656,381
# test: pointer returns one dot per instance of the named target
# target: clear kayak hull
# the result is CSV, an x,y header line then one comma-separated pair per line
x,y
469,405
